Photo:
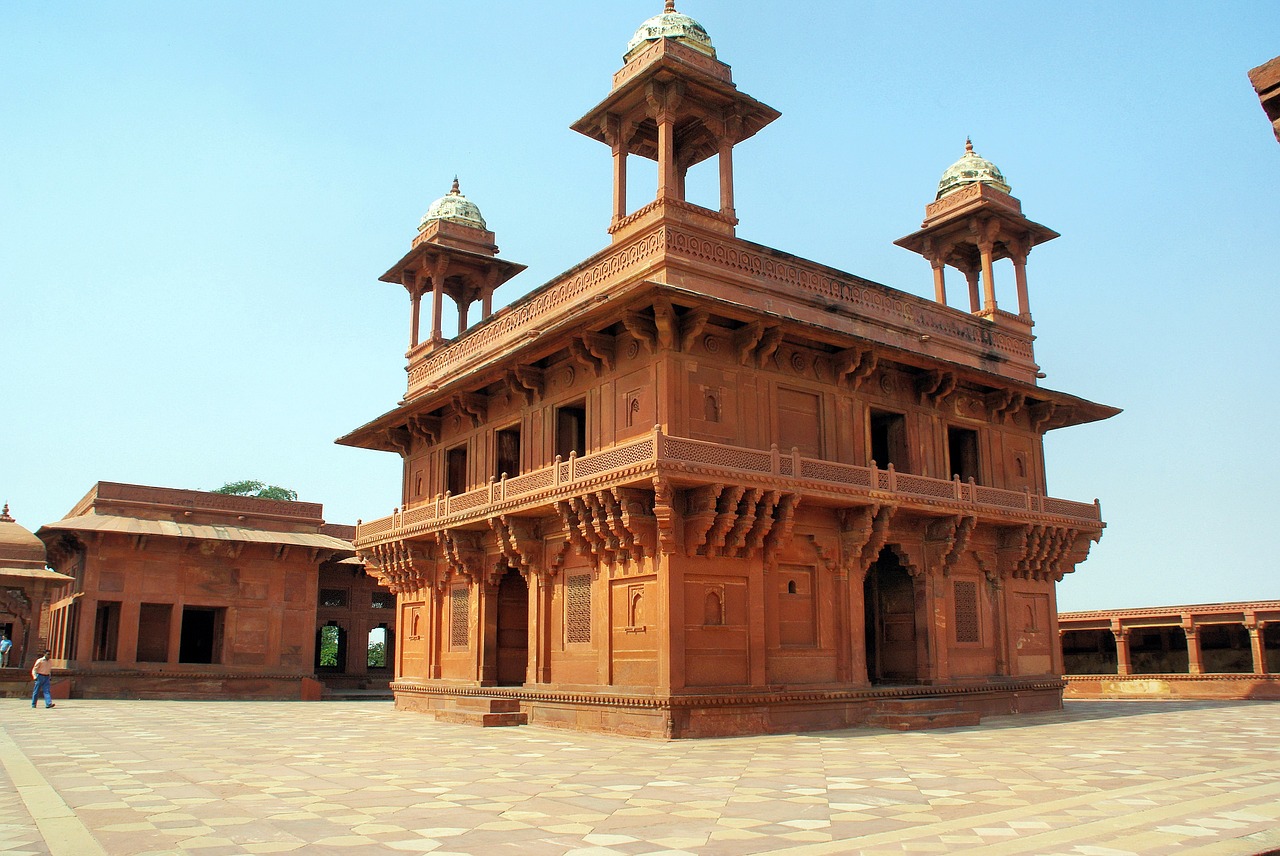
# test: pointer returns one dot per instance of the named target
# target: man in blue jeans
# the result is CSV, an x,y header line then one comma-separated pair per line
x,y
41,672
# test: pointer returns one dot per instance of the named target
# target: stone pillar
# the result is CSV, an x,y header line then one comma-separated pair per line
x,y
1195,666
668,171
540,595
619,178
1122,649
844,644
1256,643
857,636
985,248
486,296
939,280
1020,277
438,270
415,303
435,625
971,275
726,178
464,309
486,638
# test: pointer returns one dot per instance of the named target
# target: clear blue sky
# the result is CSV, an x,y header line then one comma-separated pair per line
x,y
198,200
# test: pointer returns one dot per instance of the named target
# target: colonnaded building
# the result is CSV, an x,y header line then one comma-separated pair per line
x,y
698,486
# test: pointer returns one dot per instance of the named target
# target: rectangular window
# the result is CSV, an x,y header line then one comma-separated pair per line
x,y
106,630
889,440
460,618
506,452
455,463
577,608
333,597
571,430
383,600
968,628
201,640
153,632
962,454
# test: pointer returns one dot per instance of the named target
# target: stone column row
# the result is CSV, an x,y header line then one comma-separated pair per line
x,y
1195,658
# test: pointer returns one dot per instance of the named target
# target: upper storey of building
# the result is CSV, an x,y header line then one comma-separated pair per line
x,y
674,101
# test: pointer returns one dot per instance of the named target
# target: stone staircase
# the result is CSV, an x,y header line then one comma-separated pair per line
x,y
485,712
917,714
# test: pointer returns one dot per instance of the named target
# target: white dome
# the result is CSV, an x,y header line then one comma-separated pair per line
x,y
454,207
671,25
971,169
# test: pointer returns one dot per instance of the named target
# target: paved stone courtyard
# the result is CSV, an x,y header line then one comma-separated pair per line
x,y
212,778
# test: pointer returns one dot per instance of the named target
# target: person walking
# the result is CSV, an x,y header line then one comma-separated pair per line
x,y
41,672
5,645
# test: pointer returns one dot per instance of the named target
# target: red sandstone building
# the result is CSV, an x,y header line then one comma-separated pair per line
x,y
1209,650
699,486
188,594
26,586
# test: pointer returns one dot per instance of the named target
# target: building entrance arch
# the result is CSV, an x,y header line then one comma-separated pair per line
x,y
890,603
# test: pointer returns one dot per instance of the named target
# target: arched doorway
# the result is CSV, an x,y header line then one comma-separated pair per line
x,y
890,604
513,629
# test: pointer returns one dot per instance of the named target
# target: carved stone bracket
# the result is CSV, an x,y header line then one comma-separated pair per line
x,y
780,522
1004,404
855,365
401,566
463,551
593,350
665,516
400,439
643,328
745,340
15,602
424,428
612,525
935,386
949,538
863,533
1043,552
691,325
527,383
472,405
520,542
1041,415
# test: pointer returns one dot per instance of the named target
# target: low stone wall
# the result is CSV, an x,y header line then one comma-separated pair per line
x,y
1173,686
189,686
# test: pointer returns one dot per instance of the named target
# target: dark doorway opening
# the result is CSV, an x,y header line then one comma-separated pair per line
x,y
1225,648
890,603
571,430
201,640
506,450
962,453
889,440
106,631
1089,652
331,649
513,629
1158,651
153,632
455,477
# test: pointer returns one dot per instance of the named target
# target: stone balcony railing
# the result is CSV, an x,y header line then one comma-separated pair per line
x,y
685,462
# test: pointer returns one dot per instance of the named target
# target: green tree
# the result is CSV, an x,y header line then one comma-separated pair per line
x,y
252,487
377,655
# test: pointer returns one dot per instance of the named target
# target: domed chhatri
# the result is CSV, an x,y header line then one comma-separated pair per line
x,y
454,207
19,547
670,25
971,169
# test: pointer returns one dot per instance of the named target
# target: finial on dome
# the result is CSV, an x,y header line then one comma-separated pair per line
x,y
4,515
968,145
671,6
455,191
455,207
972,168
